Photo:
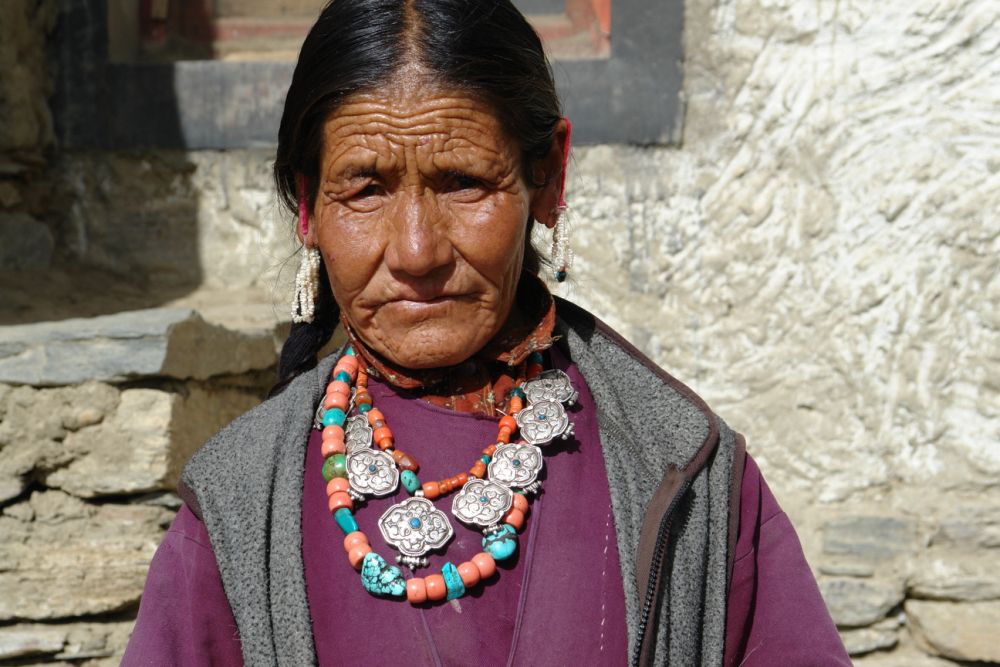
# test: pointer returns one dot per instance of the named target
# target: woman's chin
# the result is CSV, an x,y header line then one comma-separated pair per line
x,y
443,343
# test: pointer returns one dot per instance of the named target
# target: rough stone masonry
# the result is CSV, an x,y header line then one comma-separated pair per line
x,y
818,258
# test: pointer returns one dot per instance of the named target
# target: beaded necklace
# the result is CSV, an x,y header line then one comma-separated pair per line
x,y
497,504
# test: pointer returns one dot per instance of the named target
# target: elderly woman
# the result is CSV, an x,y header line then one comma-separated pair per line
x,y
549,495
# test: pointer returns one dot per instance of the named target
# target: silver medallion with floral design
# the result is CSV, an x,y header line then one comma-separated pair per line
x,y
516,465
357,434
415,527
481,502
543,422
372,472
551,385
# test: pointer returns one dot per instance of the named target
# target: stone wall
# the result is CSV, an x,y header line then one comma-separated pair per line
x,y
97,417
819,260
25,132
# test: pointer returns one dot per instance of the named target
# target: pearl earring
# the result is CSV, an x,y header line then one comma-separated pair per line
x,y
307,279
562,254
306,286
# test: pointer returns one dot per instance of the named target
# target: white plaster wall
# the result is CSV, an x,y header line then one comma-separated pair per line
x,y
819,257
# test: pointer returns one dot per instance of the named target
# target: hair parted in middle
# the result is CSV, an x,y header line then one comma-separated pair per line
x,y
484,48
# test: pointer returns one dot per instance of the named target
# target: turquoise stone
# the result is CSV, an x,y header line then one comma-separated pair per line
x,y
502,544
535,358
380,578
343,376
517,391
334,417
335,466
453,580
363,408
350,351
485,459
410,481
345,520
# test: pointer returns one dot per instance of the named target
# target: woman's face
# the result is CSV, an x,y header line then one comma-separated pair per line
x,y
420,217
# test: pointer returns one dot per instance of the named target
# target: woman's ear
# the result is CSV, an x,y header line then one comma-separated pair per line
x,y
551,171
305,230
310,238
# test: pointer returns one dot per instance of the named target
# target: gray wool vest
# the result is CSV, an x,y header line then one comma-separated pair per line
x,y
674,471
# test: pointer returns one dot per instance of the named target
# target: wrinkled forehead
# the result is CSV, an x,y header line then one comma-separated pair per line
x,y
415,114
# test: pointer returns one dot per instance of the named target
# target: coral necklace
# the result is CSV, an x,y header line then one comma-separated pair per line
x,y
498,504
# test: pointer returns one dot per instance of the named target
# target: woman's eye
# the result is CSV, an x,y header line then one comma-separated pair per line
x,y
463,182
369,190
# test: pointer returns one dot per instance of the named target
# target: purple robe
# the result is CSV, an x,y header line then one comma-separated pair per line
x,y
561,596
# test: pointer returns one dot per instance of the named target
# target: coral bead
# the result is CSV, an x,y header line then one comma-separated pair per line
x,y
348,361
462,478
469,573
508,422
487,566
339,500
333,446
336,400
514,518
381,433
357,555
339,387
337,485
431,490
416,590
436,588
490,451
355,539
521,503
405,461
333,432
375,415
386,443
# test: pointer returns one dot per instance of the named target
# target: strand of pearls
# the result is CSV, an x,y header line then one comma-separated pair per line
x,y
562,253
306,286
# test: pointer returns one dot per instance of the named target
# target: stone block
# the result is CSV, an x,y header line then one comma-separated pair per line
x,y
970,528
64,557
24,242
17,641
172,342
881,636
34,422
860,602
145,444
956,630
952,574
869,537
93,439
9,196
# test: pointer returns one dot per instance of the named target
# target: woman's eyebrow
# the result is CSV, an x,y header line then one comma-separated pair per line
x,y
356,171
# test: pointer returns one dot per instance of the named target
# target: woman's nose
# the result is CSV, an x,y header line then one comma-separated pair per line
x,y
418,243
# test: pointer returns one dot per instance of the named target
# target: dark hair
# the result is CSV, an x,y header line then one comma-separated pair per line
x,y
485,48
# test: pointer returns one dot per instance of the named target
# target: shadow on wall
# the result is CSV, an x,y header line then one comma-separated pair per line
x,y
91,231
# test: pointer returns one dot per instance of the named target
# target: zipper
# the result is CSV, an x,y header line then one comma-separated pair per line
x,y
654,571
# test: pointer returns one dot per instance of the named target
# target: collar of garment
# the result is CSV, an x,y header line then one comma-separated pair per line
x,y
482,383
